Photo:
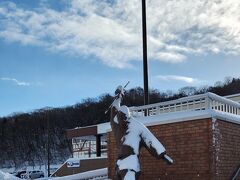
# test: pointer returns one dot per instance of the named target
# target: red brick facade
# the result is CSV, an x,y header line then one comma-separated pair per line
x,y
227,149
201,149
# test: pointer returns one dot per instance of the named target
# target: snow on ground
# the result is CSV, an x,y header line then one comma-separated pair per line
x,y
99,174
7,176
53,168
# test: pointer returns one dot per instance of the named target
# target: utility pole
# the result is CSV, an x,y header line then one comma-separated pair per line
x,y
48,142
145,63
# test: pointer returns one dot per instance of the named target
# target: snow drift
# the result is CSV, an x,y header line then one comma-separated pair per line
x,y
7,176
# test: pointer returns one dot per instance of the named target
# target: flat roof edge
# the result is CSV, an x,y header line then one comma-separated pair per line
x,y
189,116
226,117
168,118
175,117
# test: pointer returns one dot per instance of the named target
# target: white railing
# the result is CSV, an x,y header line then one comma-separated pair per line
x,y
191,103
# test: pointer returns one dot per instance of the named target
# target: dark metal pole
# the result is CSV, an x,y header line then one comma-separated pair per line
x,y
48,144
145,63
98,145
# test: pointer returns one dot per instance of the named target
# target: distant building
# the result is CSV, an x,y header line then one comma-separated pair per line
x,y
90,141
234,97
89,146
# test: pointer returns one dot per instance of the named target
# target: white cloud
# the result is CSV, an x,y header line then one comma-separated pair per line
x,y
17,82
185,79
111,31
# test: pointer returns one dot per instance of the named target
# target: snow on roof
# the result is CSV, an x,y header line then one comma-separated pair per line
x,y
226,116
181,116
79,159
201,106
85,175
103,128
186,116
87,131
174,117
232,95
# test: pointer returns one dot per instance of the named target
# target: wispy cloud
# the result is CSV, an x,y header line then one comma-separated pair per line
x,y
17,82
111,30
185,79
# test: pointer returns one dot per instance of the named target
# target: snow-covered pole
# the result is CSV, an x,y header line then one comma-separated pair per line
x,y
116,96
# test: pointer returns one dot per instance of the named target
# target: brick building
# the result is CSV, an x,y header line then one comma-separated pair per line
x,y
201,133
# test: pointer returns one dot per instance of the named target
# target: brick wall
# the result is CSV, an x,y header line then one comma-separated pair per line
x,y
201,149
227,148
186,142
112,155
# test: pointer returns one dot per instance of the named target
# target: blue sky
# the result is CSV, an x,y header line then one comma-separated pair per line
x,y
56,53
